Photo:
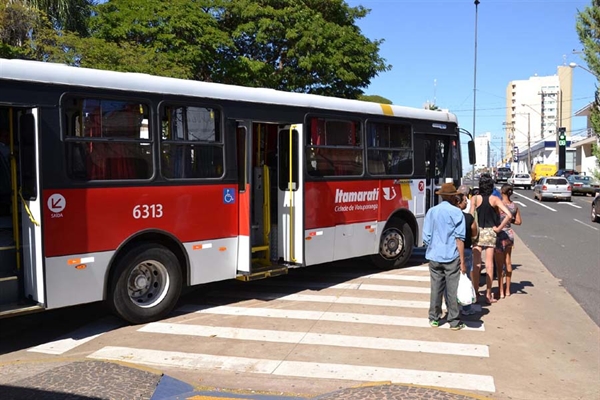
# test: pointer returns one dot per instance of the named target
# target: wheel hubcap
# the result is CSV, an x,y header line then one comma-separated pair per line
x,y
148,284
392,243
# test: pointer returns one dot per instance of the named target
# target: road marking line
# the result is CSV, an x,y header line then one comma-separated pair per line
x,y
536,202
412,278
325,316
327,299
583,223
344,286
296,368
319,339
324,299
518,202
571,204
77,338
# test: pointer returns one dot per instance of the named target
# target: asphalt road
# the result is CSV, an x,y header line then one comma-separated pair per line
x,y
565,240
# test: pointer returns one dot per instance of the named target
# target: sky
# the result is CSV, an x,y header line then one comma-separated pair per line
x,y
431,47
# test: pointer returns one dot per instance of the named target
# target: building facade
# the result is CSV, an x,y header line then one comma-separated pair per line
x,y
585,161
535,109
482,150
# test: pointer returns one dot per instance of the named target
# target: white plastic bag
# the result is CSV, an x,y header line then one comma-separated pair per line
x,y
466,293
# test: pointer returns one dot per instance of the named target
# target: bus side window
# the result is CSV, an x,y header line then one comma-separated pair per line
x,y
334,148
191,143
107,139
389,148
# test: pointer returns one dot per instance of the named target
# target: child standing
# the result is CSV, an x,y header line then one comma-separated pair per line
x,y
505,241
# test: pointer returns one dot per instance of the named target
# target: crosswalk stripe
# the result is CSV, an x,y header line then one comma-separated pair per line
x,y
345,286
322,316
78,337
379,275
415,268
398,277
319,339
303,369
330,299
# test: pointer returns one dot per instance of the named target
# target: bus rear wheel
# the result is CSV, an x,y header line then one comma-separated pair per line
x,y
145,284
395,247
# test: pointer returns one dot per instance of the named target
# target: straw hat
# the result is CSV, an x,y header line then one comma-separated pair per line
x,y
447,189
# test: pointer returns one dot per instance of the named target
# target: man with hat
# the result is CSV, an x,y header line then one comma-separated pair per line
x,y
444,236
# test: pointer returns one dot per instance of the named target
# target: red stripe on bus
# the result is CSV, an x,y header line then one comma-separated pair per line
x,y
94,220
244,210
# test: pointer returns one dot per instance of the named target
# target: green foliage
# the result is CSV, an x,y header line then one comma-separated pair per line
x,y
588,29
312,46
374,99
65,15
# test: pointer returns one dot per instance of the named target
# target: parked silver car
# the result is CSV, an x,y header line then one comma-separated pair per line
x,y
552,187
583,184
596,207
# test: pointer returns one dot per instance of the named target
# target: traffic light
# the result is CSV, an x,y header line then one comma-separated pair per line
x,y
562,147
562,136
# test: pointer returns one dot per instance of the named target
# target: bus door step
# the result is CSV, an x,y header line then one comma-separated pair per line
x,y
263,272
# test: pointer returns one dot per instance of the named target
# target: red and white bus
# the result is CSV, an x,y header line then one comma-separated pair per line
x,y
125,187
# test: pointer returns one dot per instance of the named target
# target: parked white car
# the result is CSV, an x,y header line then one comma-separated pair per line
x,y
520,179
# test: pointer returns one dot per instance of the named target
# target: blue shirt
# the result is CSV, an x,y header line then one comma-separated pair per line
x,y
443,224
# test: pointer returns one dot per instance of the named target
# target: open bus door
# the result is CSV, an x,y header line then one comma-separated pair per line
x,y
21,264
438,156
264,230
291,195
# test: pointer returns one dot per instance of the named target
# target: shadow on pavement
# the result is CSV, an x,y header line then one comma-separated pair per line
x,y
23,393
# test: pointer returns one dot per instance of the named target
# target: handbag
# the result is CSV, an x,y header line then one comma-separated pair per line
x,y
465,294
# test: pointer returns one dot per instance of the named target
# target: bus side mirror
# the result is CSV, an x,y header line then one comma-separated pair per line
x,y
27,156
472,158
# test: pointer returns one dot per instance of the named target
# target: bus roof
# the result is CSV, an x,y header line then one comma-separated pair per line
x,y
52,73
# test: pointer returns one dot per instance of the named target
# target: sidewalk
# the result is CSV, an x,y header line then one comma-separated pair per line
x,y
91,380
552,342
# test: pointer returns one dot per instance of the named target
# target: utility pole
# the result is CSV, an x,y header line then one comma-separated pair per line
x,y
476,2
528,142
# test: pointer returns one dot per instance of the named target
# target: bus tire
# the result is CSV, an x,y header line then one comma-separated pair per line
x,y
145,284
395,246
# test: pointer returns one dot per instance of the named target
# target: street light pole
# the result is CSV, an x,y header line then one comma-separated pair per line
x,y
476,2
528,143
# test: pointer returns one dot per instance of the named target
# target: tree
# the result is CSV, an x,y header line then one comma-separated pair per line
x,y
66,15
374,99
311,46
588,29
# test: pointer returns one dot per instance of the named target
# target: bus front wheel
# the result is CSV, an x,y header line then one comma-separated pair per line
x,y
395,247
145,284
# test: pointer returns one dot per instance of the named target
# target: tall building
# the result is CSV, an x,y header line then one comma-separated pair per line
x,y
535,109
482,150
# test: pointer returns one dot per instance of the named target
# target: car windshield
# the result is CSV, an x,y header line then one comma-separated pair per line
x,y
582,178
522,176
556,181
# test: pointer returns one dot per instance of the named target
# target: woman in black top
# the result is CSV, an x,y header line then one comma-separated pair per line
x,y
488,215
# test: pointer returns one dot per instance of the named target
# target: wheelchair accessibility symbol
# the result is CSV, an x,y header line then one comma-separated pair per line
x,y
228,196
